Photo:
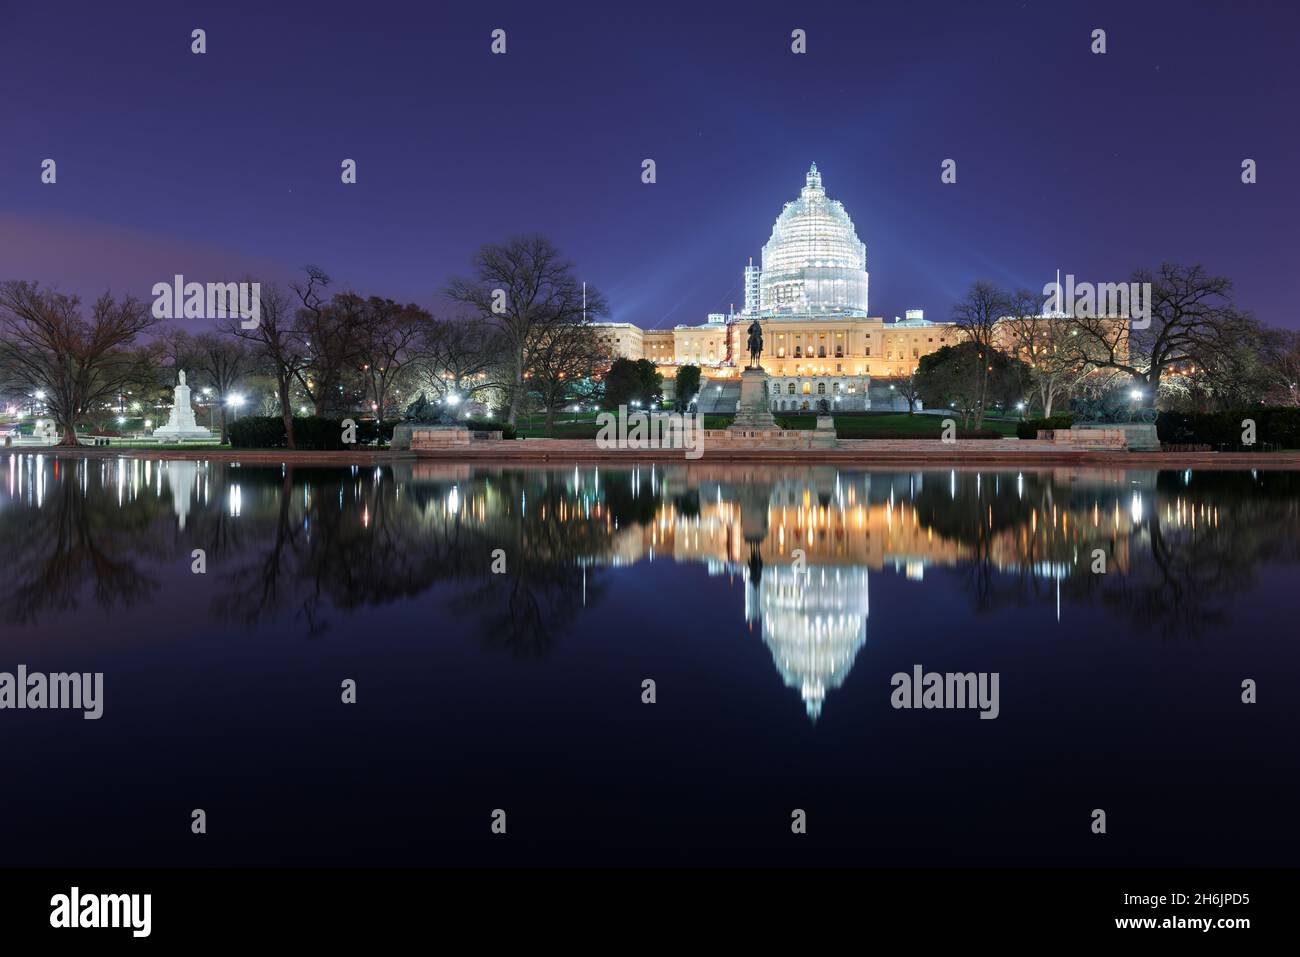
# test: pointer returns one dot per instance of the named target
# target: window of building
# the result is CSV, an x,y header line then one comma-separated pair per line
x,y
821,353
868,352
821,388
807,388
790,389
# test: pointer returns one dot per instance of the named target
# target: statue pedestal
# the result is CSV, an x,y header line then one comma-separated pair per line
x,y
1134,436
825,437
752,408
418,435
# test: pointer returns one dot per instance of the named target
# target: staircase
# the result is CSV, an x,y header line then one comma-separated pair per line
x,y
718,397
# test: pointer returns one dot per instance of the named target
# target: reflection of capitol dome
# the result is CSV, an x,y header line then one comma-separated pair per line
x,y
814,622
814,262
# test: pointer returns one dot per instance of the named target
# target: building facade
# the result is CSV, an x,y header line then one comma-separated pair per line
x,y
810,294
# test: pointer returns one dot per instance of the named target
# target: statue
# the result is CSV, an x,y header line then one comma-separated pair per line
x,y
424,412
180,421
755,343
1113,408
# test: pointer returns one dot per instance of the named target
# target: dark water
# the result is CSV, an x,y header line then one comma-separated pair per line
x,y
523,691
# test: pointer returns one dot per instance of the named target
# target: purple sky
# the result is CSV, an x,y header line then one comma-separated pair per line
x,y
228,163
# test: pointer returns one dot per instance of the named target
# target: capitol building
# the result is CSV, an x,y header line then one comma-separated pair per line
x,y
820,341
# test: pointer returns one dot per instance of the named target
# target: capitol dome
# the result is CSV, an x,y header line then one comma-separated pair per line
x,y
814,264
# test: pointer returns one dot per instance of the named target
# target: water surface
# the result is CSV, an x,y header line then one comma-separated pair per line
x,y
770,606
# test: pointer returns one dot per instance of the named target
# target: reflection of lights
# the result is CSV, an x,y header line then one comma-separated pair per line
x,y
1135,508
236,500
453,500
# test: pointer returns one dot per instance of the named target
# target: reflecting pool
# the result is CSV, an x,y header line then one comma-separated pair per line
x,y
502,626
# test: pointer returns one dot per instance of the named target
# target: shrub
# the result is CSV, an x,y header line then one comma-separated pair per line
x,y
1273,426
257,432
1030,428
309,432
488,425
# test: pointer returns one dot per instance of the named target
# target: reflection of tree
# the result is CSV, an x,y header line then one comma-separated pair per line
x,y
73,541
1187,572
545,584
265,582
331,541
982,513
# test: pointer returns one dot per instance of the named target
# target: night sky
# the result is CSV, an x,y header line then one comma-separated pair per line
x,y
229,163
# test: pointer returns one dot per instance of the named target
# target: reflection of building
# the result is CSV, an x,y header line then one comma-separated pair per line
x,y
811,296
805,540
814,621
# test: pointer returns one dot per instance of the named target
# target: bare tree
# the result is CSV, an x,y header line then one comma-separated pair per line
x,y
907,388
521,286
326,329
1281,349
388,337
177,348
1191,317
561,357
977,316
222,363
1049,345
461,357
277,345
80,365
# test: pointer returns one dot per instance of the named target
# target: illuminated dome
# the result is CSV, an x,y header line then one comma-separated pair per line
x,y
814,263
814,623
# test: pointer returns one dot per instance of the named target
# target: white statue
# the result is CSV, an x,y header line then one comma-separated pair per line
x,y
180,423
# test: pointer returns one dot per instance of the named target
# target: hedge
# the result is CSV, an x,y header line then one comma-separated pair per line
x,y
312,433
1279,426
1030,428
